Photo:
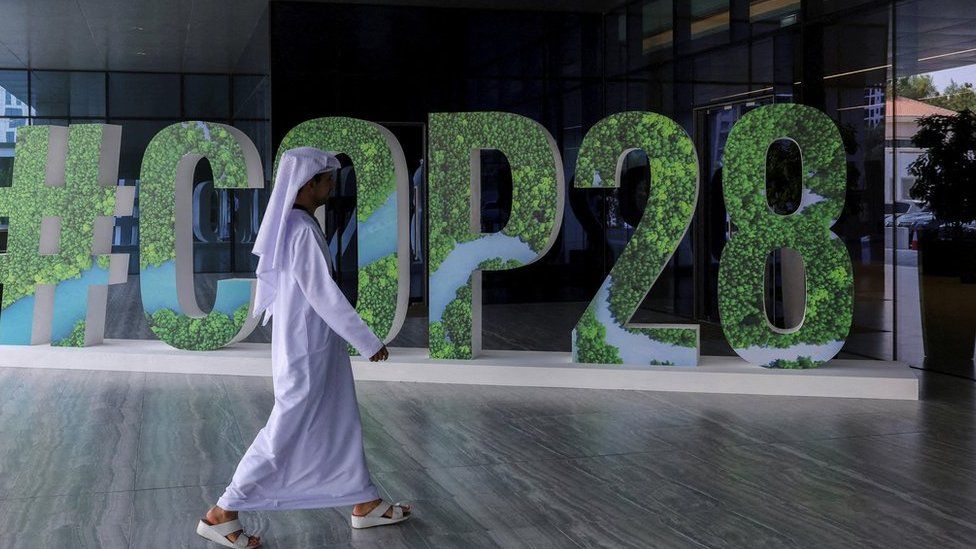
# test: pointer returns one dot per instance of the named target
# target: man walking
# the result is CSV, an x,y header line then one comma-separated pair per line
x,y
310,454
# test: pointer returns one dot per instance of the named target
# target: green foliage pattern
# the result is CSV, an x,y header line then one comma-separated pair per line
x,y
671,203
157,223
378,281
75,339
801,363
157,215
451,337
364,143
534,178
759,231
77,203
199,334
589,342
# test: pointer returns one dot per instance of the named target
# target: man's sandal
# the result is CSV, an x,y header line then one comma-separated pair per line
x,y
218,533
376,518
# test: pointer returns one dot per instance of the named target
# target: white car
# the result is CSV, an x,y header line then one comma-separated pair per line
x,y
907,213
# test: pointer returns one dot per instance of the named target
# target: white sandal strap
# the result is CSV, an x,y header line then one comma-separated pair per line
x,y
379,510
229,527
242,540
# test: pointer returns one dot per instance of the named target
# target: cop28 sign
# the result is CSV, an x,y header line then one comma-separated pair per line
x,y
64,197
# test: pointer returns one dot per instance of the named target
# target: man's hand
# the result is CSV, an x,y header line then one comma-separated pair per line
x,y
382,354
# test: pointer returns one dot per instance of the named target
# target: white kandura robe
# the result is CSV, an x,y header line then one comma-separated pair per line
x,y
310,454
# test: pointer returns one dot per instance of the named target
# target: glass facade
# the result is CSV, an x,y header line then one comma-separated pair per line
x,y
702,63
930,220
143,104
878,69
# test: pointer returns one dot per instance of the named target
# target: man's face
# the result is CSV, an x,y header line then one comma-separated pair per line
x,y
322,187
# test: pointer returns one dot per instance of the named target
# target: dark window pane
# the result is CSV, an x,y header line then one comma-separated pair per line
x,y
136,135
134,95
49,93
57,93
656,26
251,97
49,122
7,139
206,96
260,133
87,94
13,93
778,12
709,16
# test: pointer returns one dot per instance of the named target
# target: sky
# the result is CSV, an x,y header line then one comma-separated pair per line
x,y
962,74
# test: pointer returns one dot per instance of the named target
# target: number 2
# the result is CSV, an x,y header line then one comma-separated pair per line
x,y
603,334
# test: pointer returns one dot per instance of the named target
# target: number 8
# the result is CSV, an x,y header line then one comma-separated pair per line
x,y
829,280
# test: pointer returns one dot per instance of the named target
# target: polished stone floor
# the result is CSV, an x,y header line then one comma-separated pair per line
x,y
104,459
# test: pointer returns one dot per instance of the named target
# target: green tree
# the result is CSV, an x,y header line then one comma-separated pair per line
x,y
945,174
917,86
956,97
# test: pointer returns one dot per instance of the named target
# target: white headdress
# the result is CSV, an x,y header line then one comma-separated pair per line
x,y
295,168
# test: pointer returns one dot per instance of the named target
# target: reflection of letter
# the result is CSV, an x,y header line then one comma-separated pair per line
x,y
381,221
61,207
202,202
247,216
166,244
419,214
459,251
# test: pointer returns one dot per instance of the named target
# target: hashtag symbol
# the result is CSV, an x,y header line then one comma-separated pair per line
x,y
60,211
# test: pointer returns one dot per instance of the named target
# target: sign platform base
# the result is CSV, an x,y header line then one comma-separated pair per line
x,y
731,375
